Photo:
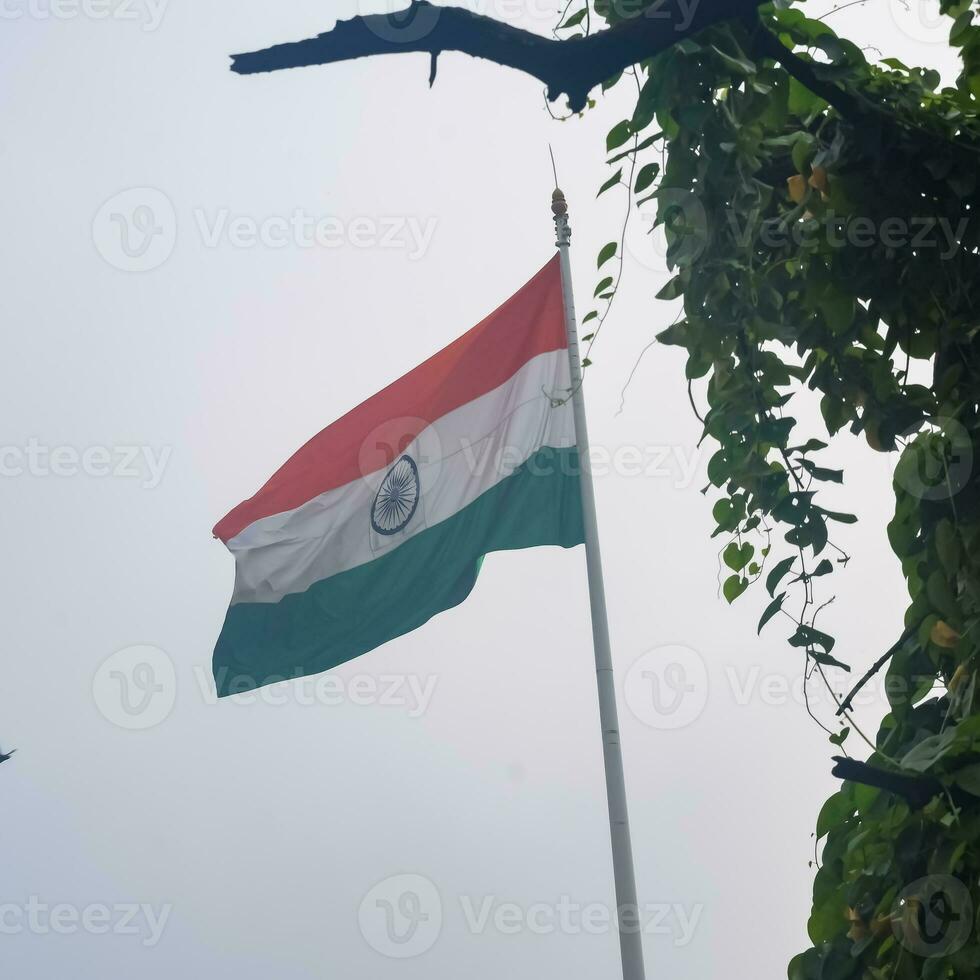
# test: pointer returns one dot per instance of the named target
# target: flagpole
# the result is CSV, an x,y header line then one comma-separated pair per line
x,y
630,942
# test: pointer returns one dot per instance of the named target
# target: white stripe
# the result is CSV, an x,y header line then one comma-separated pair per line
x,y
459,457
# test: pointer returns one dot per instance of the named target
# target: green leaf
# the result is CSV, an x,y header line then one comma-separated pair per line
x,y
727,514
960,27
672,290
834,812
968,778
574,19
643,145
929,751
603,286
802,152
841,736
948,547
940,594
612,182
607,252
771,611
646,176
838,310
810,446
737,557
811,639
741,66
618,135
821,473
828,661
802,102
839,517
734,586
778,573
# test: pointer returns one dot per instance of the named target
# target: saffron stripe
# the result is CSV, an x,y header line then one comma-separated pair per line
x,y
529,323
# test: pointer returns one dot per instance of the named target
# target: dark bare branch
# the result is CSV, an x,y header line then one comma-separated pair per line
x,y
916,790
876,666
573,67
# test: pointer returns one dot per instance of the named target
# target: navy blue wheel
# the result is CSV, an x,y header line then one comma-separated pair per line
x,y
397,498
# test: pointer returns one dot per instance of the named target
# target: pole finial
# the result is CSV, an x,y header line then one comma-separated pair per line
x,y
559,208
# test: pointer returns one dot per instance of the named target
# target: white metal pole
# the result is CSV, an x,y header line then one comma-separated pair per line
x,y
630,943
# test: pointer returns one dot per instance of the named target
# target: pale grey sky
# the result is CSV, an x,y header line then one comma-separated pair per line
x,y
243,840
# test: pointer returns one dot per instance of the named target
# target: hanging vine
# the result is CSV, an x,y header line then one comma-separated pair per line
x,y
819,213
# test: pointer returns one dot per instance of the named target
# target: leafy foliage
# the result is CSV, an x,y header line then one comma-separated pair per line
x,y
819,210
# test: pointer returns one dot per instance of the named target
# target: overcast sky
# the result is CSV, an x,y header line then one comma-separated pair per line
x,y
199,272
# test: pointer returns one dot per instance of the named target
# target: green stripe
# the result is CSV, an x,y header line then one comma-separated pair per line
x,y
355,611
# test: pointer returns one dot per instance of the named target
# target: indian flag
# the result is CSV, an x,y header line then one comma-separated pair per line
x,y
383,519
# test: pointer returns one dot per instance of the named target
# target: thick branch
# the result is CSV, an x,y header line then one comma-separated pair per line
x,y
572,67
769,46
917,791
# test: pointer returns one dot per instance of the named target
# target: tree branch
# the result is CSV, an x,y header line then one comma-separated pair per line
x,y
917,791
573,67
876,666
768,45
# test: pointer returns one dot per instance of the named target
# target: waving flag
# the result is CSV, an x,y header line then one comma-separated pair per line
x,y
382,519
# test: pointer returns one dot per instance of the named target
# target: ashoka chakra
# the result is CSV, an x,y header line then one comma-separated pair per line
x,y
397,498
